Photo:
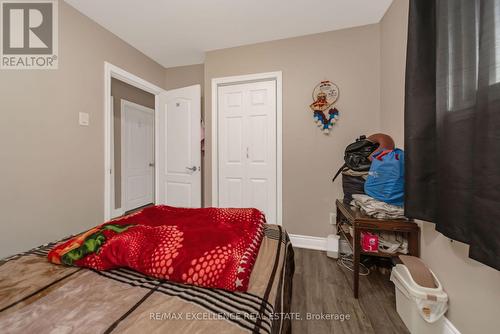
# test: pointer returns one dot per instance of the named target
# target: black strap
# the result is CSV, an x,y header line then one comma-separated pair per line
x,y
39,290
341,169
132,309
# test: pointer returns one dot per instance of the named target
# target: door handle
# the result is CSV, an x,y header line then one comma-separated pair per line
x,y
151,164
192,169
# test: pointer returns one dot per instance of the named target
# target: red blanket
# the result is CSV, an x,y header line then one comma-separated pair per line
x,y
210,247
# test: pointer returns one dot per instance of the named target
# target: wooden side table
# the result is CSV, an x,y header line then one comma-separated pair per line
x,y
360,222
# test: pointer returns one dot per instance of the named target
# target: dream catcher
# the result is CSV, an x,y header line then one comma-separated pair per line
x,y
325,94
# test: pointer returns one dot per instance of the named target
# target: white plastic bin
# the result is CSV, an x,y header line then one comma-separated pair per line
x,y
421,308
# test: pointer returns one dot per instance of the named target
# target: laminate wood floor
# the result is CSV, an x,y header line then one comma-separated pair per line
x,y
320,285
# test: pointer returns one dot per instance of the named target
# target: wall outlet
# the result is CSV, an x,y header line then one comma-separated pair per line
x,y
333,218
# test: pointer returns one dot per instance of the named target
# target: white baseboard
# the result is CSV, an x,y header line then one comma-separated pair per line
x,y
308,242
449,328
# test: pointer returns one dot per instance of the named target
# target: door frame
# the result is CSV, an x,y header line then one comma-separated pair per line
x,y
112,71
240,79
123,146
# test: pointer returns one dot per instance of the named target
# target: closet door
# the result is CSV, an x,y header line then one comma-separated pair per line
x,y
247,147
232,146
260,124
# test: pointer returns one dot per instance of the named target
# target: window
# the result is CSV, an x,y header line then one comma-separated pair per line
x,y
461,47
496,45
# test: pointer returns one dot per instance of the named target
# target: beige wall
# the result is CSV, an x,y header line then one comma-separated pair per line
x,y
351,59
123,91
52,180
182,76
392,66
473,288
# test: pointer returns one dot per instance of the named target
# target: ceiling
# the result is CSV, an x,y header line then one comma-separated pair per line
x,y
178,32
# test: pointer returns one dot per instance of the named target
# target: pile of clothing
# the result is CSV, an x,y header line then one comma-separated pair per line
x,y
373,176
377,209
373,181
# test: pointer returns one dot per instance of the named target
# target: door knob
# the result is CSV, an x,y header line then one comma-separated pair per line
x,y
192,169
151,164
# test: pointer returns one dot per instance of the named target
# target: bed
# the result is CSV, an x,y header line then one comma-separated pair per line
x,y
40,297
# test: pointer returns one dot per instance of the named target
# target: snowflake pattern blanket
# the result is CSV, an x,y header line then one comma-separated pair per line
x,y
210,247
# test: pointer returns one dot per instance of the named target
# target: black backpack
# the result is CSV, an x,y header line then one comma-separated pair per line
x,y
356,155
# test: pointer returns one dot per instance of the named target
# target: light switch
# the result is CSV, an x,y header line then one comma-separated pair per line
x,y
83,119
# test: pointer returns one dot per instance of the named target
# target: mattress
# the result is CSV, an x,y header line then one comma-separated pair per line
x,y
39,297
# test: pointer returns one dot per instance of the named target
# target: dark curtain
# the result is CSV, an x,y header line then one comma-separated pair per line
x,y
452,121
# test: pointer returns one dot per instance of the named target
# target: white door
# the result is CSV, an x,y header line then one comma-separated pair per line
x,y
180,147
247,147
137,149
